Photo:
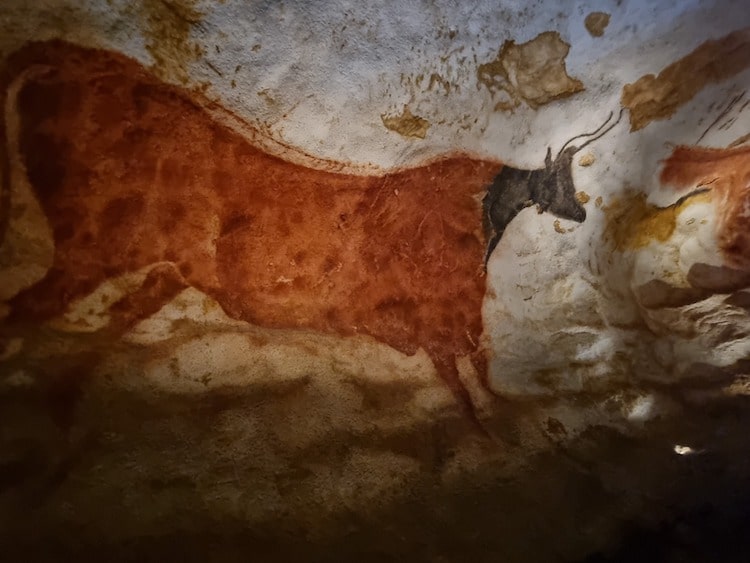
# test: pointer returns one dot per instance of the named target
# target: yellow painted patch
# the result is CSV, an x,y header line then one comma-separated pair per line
x,y
406,124
632,222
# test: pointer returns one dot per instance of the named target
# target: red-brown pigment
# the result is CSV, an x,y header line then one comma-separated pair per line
x,y
726,172
131,172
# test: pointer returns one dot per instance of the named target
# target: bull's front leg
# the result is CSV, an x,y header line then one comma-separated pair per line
x,y
501,214
491,247
491,233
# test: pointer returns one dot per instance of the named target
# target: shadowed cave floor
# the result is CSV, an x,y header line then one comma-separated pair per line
x,y
139,475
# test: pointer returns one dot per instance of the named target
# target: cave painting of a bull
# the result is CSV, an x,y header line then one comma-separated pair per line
x,y
132,173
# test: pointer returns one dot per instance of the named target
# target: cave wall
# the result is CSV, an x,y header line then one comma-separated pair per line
x,y
272,267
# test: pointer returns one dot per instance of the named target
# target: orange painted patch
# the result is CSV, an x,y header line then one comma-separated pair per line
x,y
727,173
132,172
633,223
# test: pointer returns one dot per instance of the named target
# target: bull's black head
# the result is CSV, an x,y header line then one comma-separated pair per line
x,y
559,186
551,188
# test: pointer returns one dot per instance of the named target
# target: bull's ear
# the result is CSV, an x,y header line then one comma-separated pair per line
x,y
548,158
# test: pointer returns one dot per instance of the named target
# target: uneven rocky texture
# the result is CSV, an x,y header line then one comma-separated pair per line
x,y
654,97
245,310
533,72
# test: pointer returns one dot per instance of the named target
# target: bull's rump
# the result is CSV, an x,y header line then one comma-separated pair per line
x,y
131,172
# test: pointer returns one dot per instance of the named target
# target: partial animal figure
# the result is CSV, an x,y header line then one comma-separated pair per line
x,y
136,175
551,188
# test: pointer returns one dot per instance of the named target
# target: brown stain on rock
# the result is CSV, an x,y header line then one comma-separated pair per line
x,y
133,173
436,79
533,72
167,26
406,124
726,172
657,294
653,98
718,279
596,23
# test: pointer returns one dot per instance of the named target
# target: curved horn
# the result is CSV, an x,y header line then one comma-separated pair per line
x,y
584,135
607,130
593,133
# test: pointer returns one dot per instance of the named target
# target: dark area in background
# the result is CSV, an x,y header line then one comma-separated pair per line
x,y
606,497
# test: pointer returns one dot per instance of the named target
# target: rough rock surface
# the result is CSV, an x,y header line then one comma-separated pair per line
x,y
252,305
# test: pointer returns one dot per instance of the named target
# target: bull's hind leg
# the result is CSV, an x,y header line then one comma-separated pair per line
x,y
49,297
162,284
52,295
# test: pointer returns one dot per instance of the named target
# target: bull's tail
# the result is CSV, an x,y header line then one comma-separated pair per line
x,y
4,158
14,73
